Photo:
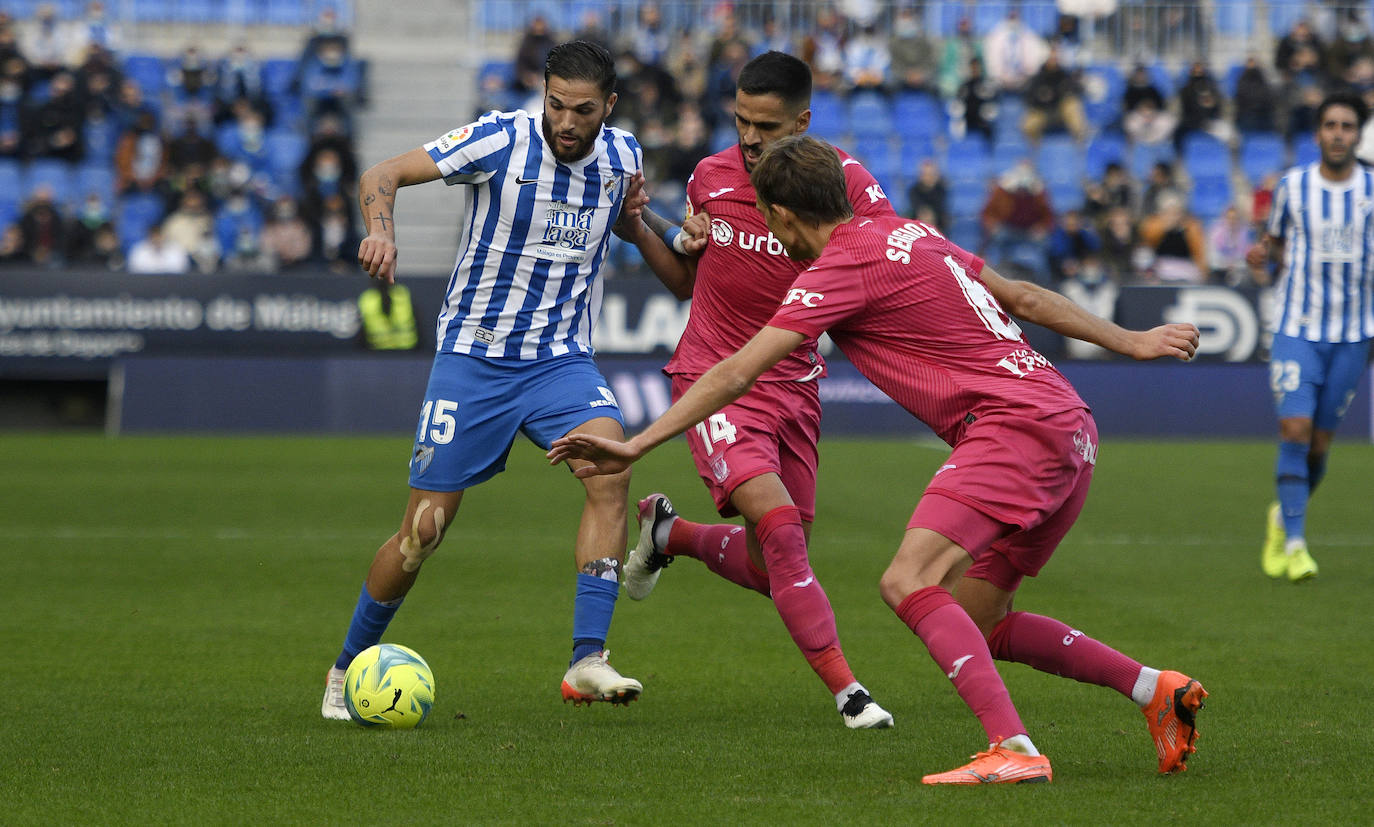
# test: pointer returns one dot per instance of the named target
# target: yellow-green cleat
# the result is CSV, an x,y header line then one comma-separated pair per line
x,y
1301,566
1272,557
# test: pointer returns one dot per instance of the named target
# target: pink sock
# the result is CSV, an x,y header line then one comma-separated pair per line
x,y
962,654
799,598
1048,645
722,548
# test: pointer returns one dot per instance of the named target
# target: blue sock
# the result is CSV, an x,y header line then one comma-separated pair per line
x,y
1293,486
592,614
1316,469
370,620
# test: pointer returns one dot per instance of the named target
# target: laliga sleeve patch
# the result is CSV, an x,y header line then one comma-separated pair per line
x,y
454,139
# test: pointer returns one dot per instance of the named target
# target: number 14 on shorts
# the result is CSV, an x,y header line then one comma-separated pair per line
x,y
720,430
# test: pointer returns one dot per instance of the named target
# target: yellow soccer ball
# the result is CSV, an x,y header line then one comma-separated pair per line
x,y
389,686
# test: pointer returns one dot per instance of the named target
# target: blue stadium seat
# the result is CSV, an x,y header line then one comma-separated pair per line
x,y
11,181
137,213
1260,154
1284,13
724,137
878,157
500,17
942,18
1233,18
1232,79
1144,156
968,160
917,113
277,74
965,231
149,72
988,13
1007,150
53,174
829,118
1210,197
286,150
1065,195
966,198
1103,149
1040,16
915,149
1060,161
153,11
9,213
1305,151
1204,156
1011,111
277,13
870,116
99,138
1103,87
96,177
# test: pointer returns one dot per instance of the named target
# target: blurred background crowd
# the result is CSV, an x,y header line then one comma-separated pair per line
x,y
1093,141
186,162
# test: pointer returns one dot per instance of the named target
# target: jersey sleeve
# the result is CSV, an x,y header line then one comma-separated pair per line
x,y
1278,209
821,298
472,154
865,193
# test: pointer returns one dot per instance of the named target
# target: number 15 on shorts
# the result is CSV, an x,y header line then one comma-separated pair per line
x,y
441,426
719,430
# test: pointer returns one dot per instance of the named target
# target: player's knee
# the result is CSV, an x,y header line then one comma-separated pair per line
x,y
894,586
1295,429
608,491
422,537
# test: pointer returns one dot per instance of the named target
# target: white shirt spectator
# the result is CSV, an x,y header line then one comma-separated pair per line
x,y
1012,52
154,255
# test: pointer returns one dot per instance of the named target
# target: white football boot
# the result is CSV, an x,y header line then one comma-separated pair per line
x,y
860,711
333,705
592,679
646,561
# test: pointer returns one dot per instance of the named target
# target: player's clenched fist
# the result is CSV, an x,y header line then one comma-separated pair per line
x,y
377,255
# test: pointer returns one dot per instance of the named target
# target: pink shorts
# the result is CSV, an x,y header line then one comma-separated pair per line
x,y
774,428
1011,490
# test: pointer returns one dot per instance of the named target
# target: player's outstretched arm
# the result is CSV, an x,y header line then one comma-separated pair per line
x,y
377,200
675,265
727,381
1049,309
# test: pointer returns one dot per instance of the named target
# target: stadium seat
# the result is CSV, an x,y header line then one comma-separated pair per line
x,y
966,231
53,174
1060,161
942,18
1305,152
966,198
1103,88
277,75
988,13
915,149
968,161
1007,150
1103,149
1065,195
1233,18
9,213
1042,17
286,150
99,138
149,72
11,181
870,116
723,137
1284,13
137,213
1260,154
1210,197
96,177
829,118
1204,156
918,113
1144,156
877,155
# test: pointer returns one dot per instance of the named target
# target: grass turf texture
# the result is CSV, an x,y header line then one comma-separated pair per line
x,y
172,605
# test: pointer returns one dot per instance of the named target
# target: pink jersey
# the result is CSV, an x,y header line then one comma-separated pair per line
x,y
909,310
744,271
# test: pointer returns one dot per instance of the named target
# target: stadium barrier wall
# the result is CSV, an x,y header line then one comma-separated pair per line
x,y
382,393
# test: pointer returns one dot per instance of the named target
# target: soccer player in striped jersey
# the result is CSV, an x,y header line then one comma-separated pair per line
x,y
924,321
757,455
1321,231
540,195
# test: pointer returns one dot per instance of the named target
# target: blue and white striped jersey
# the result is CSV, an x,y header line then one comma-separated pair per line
x,y
1323,293
533,237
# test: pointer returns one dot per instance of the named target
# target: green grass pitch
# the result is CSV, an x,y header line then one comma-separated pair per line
x,y
171,605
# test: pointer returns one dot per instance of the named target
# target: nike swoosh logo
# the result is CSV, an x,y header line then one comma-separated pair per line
x,y
525,181
959,664
945,468
801,584
720,192
847,161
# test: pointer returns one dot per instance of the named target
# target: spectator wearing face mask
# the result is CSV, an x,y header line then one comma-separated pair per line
x,y
140,160
192,227
191,88
331,84
285,236
92,240
336,242
245,141
155,255
56,124
238,217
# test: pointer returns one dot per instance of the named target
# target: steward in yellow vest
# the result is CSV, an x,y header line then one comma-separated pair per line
x,y
388,317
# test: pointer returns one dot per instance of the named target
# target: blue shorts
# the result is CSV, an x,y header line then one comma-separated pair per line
x,y
474,406
1315,380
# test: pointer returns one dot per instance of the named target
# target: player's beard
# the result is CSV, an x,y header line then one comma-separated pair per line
x,y
1338,160
576,151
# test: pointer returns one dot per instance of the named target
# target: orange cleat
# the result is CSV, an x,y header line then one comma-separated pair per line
x,y
997,766
1172,718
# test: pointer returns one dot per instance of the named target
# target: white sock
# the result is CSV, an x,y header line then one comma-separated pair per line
x,y
1021,744
842,697
1293,544
1144,690
661,532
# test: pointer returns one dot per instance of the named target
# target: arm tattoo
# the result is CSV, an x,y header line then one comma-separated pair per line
x,y
656,222
384,218
369,199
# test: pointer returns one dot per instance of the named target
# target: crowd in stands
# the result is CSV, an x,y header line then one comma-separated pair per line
x,y
190,163
1018,134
